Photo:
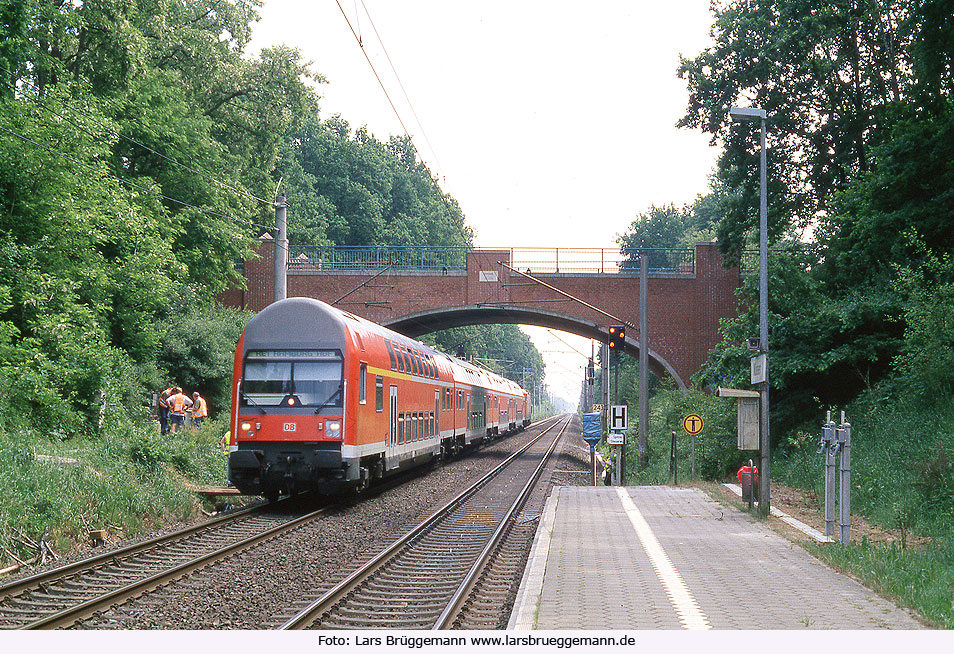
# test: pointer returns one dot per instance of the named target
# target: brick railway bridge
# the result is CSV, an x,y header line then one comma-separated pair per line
x,y
419,290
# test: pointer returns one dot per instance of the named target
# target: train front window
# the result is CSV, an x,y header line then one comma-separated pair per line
x,y
306,378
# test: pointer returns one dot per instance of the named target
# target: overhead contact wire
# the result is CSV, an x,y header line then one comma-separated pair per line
x,y
397,114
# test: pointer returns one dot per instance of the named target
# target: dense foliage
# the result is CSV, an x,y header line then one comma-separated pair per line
x,y
140,147
861,188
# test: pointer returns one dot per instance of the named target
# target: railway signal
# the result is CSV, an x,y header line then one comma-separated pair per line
x,y
617,336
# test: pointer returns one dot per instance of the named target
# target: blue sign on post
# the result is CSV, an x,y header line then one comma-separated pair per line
x,y
592,428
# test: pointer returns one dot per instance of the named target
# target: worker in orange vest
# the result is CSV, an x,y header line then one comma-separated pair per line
x,y
178,404
200,410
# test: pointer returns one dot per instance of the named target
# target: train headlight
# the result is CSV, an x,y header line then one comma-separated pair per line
x,y
334,428
246,426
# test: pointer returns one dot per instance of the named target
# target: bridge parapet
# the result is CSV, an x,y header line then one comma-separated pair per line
x,y
575,261
418,290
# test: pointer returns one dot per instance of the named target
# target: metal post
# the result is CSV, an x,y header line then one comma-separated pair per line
x,y
751,476
692,454
593,462
617,475
674,463
591,389
281,248
643,360
764,438
844,502
830,452
604,363
616,400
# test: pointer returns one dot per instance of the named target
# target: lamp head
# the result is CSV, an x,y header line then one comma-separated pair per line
x,y
742,114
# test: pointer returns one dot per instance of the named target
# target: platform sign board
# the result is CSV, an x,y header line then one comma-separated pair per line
x,y
592,428
618,417
758,369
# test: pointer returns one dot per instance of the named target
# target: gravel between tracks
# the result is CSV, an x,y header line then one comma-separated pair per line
x,y
257,588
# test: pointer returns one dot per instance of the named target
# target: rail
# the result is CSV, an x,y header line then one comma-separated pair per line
x,y
427,538
305,259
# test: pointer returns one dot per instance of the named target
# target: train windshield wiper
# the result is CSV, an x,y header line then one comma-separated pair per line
x,y
253,403
328,401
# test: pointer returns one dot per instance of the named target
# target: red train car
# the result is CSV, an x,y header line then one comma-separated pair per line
x,y
323,399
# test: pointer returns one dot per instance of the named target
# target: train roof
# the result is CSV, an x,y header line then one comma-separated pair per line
x,y
299,318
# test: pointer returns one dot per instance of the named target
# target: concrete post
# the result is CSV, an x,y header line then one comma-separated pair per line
x,y
643,360
281,249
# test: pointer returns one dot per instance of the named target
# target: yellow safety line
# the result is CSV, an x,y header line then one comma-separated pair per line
x,y
690,615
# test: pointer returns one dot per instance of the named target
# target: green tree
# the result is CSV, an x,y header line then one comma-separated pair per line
x,y
830,79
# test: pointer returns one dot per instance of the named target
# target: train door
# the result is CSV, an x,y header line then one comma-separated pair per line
x,y
394,416
437,413
483,419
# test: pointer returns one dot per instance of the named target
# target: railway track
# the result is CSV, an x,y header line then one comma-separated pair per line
x,y
61,596
424,579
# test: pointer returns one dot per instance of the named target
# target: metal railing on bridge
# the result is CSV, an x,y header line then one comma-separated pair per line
x,y
605,261
308,258
577,261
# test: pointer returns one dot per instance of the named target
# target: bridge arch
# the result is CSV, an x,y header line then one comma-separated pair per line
x,y
432,320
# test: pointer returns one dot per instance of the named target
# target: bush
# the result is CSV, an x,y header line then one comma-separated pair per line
x,y
716,453
198,349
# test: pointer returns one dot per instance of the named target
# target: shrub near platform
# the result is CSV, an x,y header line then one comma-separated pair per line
x,y
716,453
128,478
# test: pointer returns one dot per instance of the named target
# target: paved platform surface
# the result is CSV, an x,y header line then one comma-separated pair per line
x,y
658,557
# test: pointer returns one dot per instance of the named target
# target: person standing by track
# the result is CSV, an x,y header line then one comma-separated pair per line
x,y
163,410
200,410
178,404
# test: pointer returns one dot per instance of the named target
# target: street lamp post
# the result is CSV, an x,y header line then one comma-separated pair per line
x,y
740,114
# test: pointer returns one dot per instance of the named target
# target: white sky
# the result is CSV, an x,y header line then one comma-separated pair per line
x,y
551,122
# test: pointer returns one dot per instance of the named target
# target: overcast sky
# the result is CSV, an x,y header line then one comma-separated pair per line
x,y
551,122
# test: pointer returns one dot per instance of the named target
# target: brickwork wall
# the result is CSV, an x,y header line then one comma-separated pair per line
x,y
684,309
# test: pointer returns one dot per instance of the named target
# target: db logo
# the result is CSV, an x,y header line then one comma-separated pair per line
x,y
289,426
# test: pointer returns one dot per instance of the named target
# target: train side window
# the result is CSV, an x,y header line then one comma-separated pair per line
x,y
416,359
407,360
391,355
401,428
379,393
363,384
415,426
400,361
433,425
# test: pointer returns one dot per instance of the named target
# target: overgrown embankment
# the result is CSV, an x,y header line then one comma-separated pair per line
x,y
126,482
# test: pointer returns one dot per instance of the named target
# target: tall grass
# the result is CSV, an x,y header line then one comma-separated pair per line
x,y
129,478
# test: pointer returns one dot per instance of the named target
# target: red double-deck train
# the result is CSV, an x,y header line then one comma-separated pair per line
x,y
323,399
